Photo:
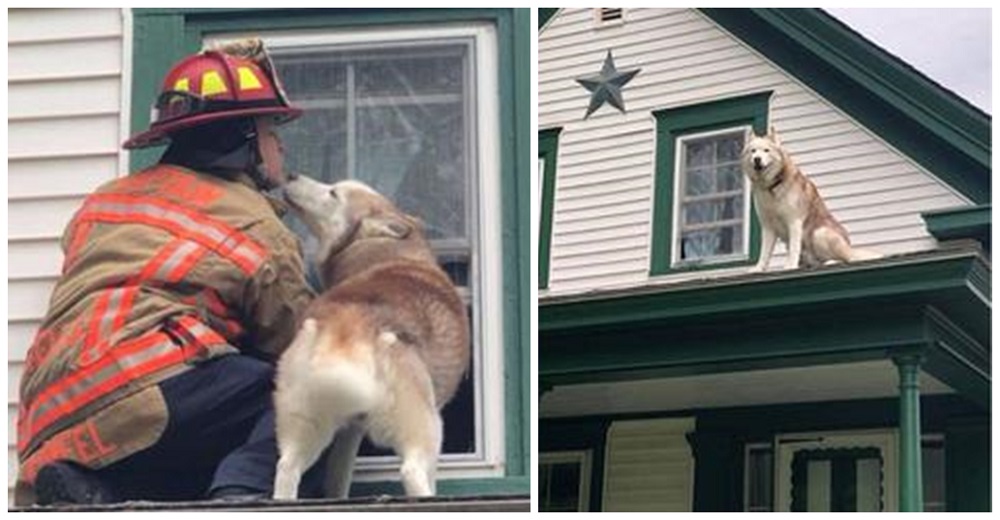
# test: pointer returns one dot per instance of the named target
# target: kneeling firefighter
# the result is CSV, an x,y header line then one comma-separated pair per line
x,y
151,375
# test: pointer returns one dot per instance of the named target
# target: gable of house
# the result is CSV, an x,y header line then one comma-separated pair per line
x,y
875,178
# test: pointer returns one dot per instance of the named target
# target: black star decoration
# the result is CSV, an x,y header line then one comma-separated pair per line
x,y
606,87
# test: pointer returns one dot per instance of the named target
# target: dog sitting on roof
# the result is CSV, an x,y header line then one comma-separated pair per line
x,y
790,208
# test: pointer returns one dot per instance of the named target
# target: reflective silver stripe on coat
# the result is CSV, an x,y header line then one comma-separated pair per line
x,y
219,238
176,259
125,363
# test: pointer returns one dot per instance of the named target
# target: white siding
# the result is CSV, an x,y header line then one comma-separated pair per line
x,y
66,86
648,466
604,184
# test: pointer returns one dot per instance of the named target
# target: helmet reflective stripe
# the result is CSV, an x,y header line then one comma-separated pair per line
x,y
212,84
183,85
248,80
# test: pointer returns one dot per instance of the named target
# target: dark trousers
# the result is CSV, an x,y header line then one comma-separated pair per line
x,y
220,433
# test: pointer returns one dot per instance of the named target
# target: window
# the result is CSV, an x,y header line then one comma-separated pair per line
x,y
713,198
758,478
548,142
702,209
564,481
413,113
932,462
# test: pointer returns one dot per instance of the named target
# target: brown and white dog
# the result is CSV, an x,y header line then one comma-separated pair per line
x,y
790,208
380,352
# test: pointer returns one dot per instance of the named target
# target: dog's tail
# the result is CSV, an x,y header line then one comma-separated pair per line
x,y
861,255
345,373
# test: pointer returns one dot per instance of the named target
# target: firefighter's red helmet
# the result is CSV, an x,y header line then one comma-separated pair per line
x,y
212,86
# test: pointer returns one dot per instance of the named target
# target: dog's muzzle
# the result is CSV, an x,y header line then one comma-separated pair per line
x,y
757,164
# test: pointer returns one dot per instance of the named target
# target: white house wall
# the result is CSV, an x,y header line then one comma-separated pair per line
x,y
66,84
606,164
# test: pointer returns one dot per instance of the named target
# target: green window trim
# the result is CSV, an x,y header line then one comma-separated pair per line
x,y
548,145
672,123
161,37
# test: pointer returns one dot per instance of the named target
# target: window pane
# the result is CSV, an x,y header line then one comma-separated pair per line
x,y
415,155
698,182
729,147
396,72
934,481
713,210
759,479
730,177
699,153
560,486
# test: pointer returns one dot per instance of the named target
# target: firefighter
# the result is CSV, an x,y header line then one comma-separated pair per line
x,y
151,375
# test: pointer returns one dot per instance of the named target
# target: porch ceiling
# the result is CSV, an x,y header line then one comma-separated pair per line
x,y
846,381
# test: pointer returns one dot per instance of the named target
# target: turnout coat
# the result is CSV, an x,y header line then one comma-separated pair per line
x,y
163,269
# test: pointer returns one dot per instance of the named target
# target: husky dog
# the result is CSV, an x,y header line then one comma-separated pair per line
x,y
380,352
790,208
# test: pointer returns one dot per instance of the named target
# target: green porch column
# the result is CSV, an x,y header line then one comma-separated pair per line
x,y
911,487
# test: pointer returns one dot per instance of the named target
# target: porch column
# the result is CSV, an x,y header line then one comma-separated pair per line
x,y
911,488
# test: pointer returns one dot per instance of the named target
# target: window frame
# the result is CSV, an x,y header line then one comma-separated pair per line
x,y
585,460
673,123
747,448
676,262
484,245
548,151
168,35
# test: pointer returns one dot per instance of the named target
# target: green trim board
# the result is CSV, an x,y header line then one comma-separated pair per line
x,y
721,434
674,123
548,150
163,36
933,126
856,312
973,222
545,14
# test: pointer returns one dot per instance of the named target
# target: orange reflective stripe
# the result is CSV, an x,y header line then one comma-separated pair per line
x,y
182,222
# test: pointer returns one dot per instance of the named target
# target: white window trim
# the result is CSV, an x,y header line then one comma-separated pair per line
x,y
786,445
675,247
489,458
583,458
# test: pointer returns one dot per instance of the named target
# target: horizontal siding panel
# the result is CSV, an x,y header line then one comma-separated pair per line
x,y
72,134
14,371
46,24
20,334
602,234
64,58
42,218
36,178
579,221
629,169
33,258
598,251
28,299
59,98
601,280
606,198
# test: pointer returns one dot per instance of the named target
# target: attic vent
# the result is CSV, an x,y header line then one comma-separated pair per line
x,y
610,14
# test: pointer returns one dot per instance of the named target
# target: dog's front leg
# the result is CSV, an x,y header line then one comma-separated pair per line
x,y
767,240
794,244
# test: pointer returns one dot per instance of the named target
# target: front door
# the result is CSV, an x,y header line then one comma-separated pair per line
x,y
842,471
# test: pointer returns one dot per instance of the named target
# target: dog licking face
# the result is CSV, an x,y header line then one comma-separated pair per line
x,y
379,352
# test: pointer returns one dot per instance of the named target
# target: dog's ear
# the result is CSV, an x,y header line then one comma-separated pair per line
x,y
772,134
386,226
